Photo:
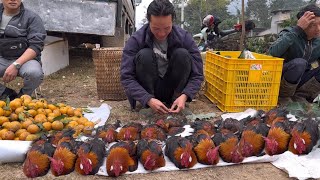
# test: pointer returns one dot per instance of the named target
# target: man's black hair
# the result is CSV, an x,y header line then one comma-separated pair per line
x,y
160,8
311,7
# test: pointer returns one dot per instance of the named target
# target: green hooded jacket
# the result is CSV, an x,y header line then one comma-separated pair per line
x,y
293,43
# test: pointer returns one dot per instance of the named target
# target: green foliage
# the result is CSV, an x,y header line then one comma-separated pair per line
x,y
257,45
261,10
257,10
304,110
260,44
228,23
290,22
59,117
198,9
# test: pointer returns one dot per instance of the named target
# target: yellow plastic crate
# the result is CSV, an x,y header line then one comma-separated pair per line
x,y
238,84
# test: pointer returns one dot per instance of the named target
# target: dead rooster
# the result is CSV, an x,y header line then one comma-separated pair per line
x,y
150,154
305,136
204,148
108,132
152,131
179,151
37,162
130,132
90,156
121,158
64,157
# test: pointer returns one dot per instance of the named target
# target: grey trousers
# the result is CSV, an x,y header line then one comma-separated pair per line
x,y
31,72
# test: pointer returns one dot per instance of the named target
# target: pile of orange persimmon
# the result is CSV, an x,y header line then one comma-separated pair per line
x,y
27,119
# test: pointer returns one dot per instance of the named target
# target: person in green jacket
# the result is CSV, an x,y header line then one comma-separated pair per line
x,y
300,47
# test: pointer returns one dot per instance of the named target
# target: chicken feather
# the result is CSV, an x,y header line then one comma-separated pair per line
x,y
118,161
251,143
229,151
36,160
206,152
277,141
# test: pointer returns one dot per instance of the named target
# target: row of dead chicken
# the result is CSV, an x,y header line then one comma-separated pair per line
x,y
62,154
232,140
271,131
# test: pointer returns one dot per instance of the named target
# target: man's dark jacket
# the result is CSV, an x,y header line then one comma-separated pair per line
x,y
28,25
293,43
143,38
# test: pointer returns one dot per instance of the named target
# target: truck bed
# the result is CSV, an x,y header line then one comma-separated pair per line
x,y
76,16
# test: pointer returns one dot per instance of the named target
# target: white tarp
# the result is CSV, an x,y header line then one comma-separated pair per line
x,y
171,167
15,151
301,167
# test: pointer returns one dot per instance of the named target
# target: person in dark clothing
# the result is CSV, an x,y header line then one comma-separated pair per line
x,y
27,30
211,33
299,46
161,63
210,27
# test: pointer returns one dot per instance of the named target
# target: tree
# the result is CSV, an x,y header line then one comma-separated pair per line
x,y
176,4
196,10
218,8
286,4
258,11
229,23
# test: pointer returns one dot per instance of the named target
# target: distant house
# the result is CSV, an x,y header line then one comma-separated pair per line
x,y
278,17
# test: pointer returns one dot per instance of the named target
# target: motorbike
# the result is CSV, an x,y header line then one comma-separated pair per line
x,y
213,38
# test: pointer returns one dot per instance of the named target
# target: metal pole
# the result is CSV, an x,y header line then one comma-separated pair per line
x,y
243,28
182,14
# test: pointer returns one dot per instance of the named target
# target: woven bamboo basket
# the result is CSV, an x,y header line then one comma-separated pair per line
x,y
107,67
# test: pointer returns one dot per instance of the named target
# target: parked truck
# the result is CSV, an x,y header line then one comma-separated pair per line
x,y
105,22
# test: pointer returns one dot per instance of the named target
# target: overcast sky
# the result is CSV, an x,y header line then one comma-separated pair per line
x,y
141,12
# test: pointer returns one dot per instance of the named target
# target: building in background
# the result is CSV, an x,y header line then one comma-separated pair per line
x,y
278,17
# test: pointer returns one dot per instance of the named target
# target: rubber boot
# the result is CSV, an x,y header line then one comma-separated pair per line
x,y
308,91
286,92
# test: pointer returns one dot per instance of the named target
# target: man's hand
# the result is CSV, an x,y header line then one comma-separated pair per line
x,y
305,20
179,104
10,74
158,106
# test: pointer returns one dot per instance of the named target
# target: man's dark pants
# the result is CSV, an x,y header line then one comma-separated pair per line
x,y
299,71
169,87
299,81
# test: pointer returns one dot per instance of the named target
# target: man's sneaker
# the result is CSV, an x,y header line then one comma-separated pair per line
x,y
8,93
